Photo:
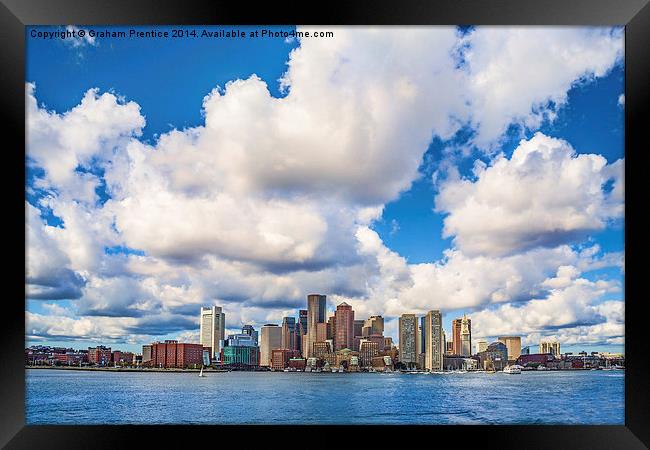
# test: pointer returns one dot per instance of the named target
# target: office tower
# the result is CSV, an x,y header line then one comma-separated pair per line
x,y
240,340
212,328
250,331
434,344
444,342
343,326
303,346
270,339
331,328
357,327
423,334
513,343
408,336
321,332
466,336
374,325
289,333
481,346
316,305
552,347
462,336
301,329
449,347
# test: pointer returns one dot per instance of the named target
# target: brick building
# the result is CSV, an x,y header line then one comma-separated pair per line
x,y
280,357
99,355
172,354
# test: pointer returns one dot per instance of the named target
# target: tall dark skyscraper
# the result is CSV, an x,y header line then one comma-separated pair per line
x,y
301,328
358,327
423,333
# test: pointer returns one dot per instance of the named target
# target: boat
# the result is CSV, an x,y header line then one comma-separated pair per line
x,y
540,367
514,369
201,372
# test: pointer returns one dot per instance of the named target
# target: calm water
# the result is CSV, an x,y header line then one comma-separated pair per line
x,y
76,397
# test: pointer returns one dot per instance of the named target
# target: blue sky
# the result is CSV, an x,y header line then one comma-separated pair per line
x,y
169,79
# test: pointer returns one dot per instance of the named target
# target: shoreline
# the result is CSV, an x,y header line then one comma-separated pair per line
x,y
205,370
126,369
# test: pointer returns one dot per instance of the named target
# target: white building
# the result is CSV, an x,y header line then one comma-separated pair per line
x,y
212,328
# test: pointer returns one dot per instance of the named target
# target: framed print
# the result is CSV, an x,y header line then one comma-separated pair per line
x,y
311,222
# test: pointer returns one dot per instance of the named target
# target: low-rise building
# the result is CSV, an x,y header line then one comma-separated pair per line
x,y
99,355
280,357
172,354
241,356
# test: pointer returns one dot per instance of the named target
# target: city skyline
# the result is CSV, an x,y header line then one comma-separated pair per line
x,y
310,166
410,351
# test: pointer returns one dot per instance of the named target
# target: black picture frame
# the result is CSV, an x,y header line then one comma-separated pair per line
x,y
633,14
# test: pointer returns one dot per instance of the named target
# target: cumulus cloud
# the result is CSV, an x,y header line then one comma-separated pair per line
x,y
521,75
544,195
568,307
48,273
459,281
86,134
272,198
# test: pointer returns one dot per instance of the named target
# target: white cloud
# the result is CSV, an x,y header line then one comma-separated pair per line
x,y
544,195
514,72
48,268
272,198
572,306
88,133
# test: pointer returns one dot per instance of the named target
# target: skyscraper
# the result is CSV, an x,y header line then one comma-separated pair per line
x,y
212,328
316,305
343,326
270,338
331,328
513,344
408,334
289,333
301,328
374,325
434,343
481,346
358,327
250,331
423,334
550,347
462,336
